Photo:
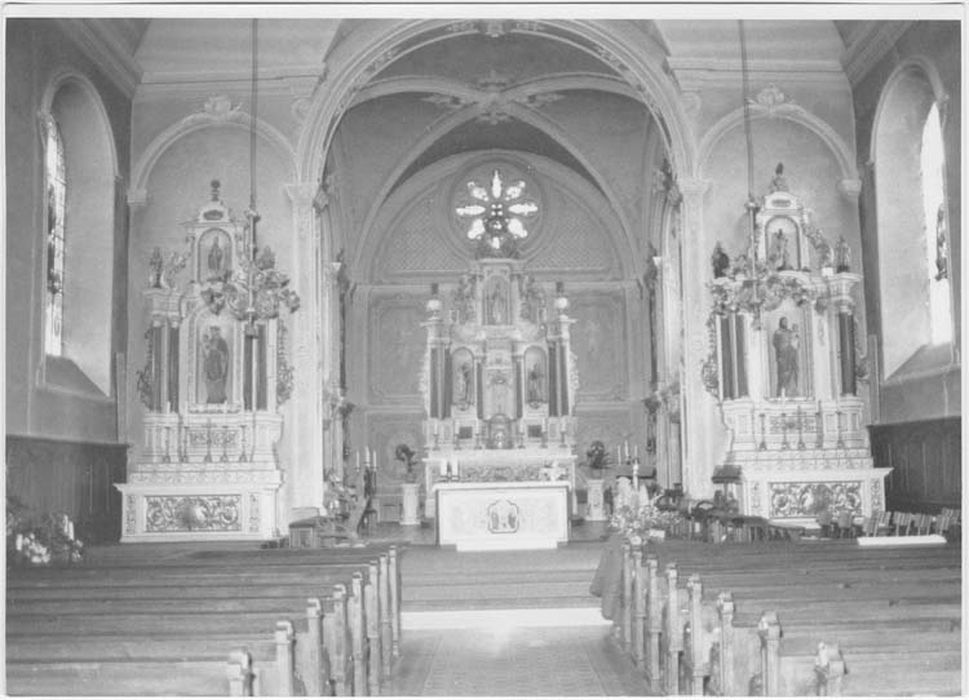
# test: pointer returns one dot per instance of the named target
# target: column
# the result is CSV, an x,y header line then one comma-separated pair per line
x,y
303,449
701,430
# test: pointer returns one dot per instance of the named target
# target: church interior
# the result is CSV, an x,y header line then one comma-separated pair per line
x,y
554,310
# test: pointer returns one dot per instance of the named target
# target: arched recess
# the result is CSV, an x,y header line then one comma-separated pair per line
x,y
625,54
906,273
81,359
230,118
431,192
841,150
525,115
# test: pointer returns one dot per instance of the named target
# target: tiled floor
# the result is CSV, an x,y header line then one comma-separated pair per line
x,y
515,661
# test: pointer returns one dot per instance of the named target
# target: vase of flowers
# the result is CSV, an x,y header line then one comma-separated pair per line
x,y
410,488
40,539
639,519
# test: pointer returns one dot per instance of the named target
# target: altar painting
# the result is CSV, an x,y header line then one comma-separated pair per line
x,y
215,255
214,361
787,332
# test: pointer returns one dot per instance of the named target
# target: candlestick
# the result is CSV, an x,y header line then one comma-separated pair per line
x,y
800,430
785,445
168,440
763,433
70,530
242,452
636,474
636,452
625,446
819,429
208,442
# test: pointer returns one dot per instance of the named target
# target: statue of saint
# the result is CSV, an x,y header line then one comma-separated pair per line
x,y
216,258
720,261
215,365
785,343
463,385
779,255
496,305
842,255
779,183
536,384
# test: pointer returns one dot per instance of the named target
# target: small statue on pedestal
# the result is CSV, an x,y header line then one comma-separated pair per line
x,y
842,255
779,182
720,261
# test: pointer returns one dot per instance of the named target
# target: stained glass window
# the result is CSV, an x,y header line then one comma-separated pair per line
x,y
498,210
56,184
936,230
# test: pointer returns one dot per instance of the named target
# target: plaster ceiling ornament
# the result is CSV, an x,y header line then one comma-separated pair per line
x,y
452,103
538,101
498,214
219,107
772,97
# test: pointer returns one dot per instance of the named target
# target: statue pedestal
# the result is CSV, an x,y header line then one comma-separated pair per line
x,y
595,503
409,494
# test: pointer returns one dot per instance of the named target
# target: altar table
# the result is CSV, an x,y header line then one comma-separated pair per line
x,y
502,515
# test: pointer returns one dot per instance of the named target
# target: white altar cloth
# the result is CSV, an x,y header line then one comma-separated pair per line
x,y
502,515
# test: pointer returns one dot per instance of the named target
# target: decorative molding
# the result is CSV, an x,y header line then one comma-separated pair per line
x,y
771,97
96,39
713,72
869,45
232,118
843,153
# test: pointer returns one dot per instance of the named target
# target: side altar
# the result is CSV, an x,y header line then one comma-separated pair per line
x,y
785,367
499,382
216,373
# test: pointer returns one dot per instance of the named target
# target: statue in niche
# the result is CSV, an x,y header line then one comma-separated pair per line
x,y
779,255
463,385
536,384
216,260
786,341
215,365
533,300
779,183
720,261
497,306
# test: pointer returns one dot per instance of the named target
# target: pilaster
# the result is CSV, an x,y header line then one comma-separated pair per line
x,y
304,414
701,429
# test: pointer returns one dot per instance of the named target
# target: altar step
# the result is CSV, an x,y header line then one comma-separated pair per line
x,y
441,581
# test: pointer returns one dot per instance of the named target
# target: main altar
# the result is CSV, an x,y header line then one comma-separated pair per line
x,y
499,383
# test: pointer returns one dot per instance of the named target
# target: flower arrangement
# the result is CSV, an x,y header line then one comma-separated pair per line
x,y
403,453
38,539
597,456
639,518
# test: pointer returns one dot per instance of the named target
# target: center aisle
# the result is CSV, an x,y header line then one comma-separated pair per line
x,y
507,624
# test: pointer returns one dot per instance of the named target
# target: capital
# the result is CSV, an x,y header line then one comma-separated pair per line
x,y
850,189
137,197
693,186
302,194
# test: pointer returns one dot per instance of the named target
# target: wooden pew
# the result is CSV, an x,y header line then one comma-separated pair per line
x,y
314,666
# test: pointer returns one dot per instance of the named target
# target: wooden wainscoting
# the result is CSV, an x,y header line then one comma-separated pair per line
x,y
70,476
926,460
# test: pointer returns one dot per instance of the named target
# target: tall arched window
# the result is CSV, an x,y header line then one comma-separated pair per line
x,y
80,169
908,150
55,179
936,229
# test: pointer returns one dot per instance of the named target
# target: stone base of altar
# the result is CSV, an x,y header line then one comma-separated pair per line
x,y
182,512
502,516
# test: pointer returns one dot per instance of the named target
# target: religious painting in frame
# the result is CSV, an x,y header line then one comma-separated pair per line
x,y
787,334
215,350
214,255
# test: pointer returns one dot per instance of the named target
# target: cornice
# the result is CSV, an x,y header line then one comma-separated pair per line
x,y
870,46
703,72
296,82
99,42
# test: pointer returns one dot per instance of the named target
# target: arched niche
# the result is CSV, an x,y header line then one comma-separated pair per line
x,y
416,236
904,274
89,222
813,171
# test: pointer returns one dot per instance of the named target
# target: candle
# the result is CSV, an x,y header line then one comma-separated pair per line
x,y
618,455
20,542
636,475
70,530
625,446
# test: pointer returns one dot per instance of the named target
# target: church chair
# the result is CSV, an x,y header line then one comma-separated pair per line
x,y
825,520
846,527
902,523
922,523
883,525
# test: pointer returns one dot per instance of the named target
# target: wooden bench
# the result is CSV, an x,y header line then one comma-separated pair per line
x,y
356,620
